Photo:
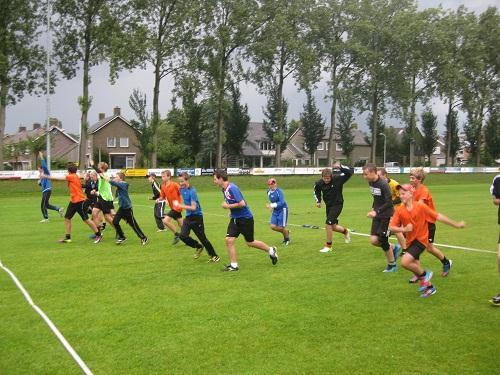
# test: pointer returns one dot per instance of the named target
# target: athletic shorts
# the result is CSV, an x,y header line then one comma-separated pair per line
x,y
80,208
279,218
432,232
380,226
241,226
105,206
333,213
415,249
174,214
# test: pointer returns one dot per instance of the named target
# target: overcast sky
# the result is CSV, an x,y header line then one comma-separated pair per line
x,y
106,96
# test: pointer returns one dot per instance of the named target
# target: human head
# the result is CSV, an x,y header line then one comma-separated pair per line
x,y
151,177
119,176
72,168
166,175
220,177
326,175
417,176
184,179
86,176
103,166
382,172
370,172
94,176
405,192
271,183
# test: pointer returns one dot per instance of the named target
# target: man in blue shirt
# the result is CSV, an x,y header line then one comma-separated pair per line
x,y
241,221
125,211
46,187
193,220
278,205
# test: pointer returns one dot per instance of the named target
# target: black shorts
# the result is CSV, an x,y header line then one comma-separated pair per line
x,y
380,226
241,226
333,213
80,208
432,231
415,249
105,206
174,214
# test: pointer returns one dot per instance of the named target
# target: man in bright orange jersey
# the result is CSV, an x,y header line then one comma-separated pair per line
x,y
78,204
170,193
411,219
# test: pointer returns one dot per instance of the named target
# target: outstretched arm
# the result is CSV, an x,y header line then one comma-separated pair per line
x,y
446,220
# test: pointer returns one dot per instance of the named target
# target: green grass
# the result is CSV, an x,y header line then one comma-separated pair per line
x,y
153,309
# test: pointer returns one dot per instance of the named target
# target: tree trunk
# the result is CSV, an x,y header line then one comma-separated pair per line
x,y
156,112
479,135
449,136
220,116
3,106
412,123
373,157
84,106
333,119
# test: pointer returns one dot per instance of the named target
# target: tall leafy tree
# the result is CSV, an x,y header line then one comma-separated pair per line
x,y
138,102
21,57
313,125
429,132
84,31
276,109
344,128
236,123
492,133
452,144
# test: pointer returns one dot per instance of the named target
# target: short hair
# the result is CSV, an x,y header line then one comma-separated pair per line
x,y
103,166
72,168
184,175
221,173
166,172
93,173
370,167
382,171
121,175
418,173
326,172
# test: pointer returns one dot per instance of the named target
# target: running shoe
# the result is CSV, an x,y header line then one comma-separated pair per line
x,y
176,240
413,279
390,268
213,259
92,236
274,255
98,239
286,242
347,236
144,241
61,212
446,268
119,241
495,301
429,291
161,230
44,221
198,252
65,240
326,249
229,268
425,281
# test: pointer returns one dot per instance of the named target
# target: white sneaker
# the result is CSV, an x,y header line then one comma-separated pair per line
x,y
347,236
326,249
44,221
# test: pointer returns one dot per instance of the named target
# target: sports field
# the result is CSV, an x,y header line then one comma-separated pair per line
x,y
141,310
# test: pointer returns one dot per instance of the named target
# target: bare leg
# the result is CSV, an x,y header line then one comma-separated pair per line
x,y
231,249
67,222
259,245
435,251
167,220
411,264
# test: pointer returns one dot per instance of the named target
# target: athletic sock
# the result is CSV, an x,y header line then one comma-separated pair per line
x,y
345,231
444,260
68,236
234,265
98,233
392,264
328,244
422,275
176,234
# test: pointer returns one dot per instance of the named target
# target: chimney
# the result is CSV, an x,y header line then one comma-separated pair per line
x,y
22,129
116,111
36,125
102,116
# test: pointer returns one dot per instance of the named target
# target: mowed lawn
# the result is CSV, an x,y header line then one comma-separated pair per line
x,y
141,310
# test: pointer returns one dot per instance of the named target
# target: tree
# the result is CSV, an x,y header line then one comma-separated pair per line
x,y
21,57
275,114
344,128
313,125
451,135
84,32
236,124
430,136
492,133
138,102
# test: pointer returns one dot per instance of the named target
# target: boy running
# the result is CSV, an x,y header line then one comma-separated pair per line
x,y
412,218
158,205
330,187
170,192
381,212
279,216
194,220
46,187
104,197
422,194
77,204
241,221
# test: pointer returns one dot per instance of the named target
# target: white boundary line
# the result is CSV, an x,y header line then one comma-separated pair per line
x,y
367,235
54,329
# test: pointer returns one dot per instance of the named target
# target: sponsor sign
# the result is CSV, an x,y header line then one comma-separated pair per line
x,y
189,171
207,171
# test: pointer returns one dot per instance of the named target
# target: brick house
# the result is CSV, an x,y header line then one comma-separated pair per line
x,y
113,140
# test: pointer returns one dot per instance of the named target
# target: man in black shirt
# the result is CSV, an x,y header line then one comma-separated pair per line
x,y
495,192
157,210
381,212
330,188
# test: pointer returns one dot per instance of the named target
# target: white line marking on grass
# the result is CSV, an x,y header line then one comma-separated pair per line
x,y
51,325
367,235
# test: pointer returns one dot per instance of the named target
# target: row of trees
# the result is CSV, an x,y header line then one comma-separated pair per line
x,y
382,57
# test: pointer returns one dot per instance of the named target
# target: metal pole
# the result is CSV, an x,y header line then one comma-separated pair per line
x,y
385,144
48,71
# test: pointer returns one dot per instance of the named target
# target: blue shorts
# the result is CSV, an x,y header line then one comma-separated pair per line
x,y
280,218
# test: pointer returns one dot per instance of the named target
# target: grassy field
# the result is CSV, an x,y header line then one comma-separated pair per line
x,y
140,310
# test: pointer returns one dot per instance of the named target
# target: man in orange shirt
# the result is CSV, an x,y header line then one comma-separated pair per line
x,y
422,194
411,219
78,204
170,192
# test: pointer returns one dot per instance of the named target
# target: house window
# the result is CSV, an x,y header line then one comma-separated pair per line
x,y
111,142
320,146
130,160
338,147
267,146
123,141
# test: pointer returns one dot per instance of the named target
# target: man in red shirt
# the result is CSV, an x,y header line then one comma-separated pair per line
x,y
411,219
170,193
